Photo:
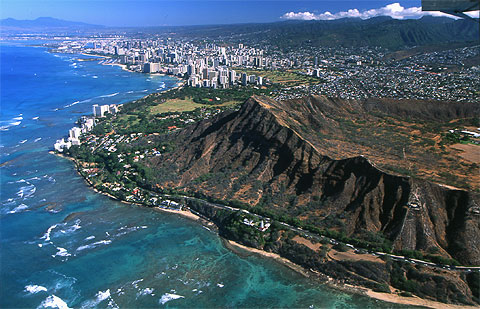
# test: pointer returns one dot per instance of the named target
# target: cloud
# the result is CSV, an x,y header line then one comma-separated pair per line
x,y
394,10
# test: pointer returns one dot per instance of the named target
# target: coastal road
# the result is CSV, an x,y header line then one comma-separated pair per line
x,y
334,241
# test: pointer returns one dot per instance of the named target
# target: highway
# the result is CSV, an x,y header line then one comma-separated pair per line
x,y
317,237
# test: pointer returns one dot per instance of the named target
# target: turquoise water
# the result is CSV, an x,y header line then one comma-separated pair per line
x,y
64,245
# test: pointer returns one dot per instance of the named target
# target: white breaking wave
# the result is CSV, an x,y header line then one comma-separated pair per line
x,y
73,228
23,141
47,234
168,297
108,95
80,102
53,301
37,139
33,289
135,283
99,297
71,104
26,191
61,252
35,118
125,230
95,244
10,123
18,208
146,291
94,76
90,237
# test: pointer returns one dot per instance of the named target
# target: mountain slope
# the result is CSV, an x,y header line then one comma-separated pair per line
x,y
349,32
257,156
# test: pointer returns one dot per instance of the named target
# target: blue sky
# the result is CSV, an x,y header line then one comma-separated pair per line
x,y
163,12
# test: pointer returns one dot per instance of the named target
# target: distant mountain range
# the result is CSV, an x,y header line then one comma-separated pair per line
x,y
289,35
44,23
348,32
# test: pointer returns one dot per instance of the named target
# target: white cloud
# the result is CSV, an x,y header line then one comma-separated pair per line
x,y
394,10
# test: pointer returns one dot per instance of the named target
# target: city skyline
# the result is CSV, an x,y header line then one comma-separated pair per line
x,y
127,13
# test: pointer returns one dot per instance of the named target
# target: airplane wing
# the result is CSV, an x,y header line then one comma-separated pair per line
x,y
455,6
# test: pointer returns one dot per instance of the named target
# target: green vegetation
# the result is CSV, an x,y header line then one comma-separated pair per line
x,y
175,105
160,112
283,77
455,138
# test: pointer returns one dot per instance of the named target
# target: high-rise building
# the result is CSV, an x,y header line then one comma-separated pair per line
x,y
232,76
151,67
74,133
190,69
96,110
99,111
244,79
260,80
223,80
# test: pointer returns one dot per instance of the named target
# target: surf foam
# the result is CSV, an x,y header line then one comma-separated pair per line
x,y
18,208
53,301
34,289
168,297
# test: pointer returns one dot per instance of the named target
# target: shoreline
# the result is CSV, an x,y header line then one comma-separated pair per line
x,y
180,83
347,288
122,66
93,55
237,248
184,213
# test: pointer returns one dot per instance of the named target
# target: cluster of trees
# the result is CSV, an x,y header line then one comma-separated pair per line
x,y
454,138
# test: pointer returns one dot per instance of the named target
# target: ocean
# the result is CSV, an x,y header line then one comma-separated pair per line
x,y
63,245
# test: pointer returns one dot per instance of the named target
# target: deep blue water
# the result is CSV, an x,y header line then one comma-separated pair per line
x,y
63,244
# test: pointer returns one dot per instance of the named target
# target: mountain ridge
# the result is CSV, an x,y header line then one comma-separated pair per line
x,y
287,35
45,22
254,156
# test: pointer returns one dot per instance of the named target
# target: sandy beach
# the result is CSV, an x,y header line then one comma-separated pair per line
x,y
183,213
234,246
123,66
91,55
61,155
415,301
